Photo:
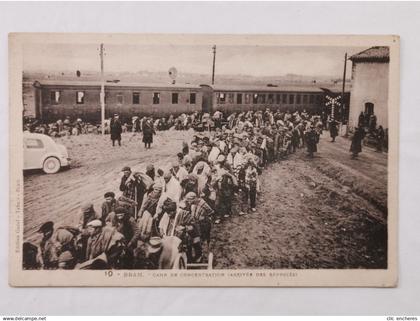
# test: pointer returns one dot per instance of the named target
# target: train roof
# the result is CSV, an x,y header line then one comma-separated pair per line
x,y
87,83
275,88
316,88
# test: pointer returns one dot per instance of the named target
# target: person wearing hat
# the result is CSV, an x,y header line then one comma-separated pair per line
x,y
214,153
202,213
148,211
126,174
167,222
178,171
333,129
49,252
295,138
87,215
251,180
222,166
101,239
187,229
116,130
231,155
151,199
311,140
53,243
202,172
125,224
109,205
133,189
171,189
148,132
356,142
225,189
150,171
136,124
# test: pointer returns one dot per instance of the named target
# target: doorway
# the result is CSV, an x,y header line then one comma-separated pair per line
x,y
369,109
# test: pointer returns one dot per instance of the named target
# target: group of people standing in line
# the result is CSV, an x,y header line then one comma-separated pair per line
x,y
170,209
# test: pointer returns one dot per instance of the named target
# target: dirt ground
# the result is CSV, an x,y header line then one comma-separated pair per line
x,y
326,212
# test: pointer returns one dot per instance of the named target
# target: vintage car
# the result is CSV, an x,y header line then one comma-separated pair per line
x,y
42,152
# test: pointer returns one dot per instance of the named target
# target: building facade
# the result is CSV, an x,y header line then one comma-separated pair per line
x,y
370,81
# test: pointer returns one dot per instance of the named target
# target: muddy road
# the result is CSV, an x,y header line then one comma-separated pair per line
x,y
326,212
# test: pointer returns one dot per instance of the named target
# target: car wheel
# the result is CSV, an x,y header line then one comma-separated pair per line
x,y
51,165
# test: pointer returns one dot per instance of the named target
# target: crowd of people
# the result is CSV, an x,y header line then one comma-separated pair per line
x,y
162,212
377,134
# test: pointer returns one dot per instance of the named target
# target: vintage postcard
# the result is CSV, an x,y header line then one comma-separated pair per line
x,y
203,160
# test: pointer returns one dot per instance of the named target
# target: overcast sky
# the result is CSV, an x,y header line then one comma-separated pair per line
x,y
230,60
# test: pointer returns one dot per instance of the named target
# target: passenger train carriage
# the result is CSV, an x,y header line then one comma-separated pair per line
x,y
52,99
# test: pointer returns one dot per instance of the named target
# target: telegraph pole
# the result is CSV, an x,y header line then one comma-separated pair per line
x,y
102,95
214,64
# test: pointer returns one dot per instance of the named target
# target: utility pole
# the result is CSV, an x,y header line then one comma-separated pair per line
x,y
214,64
102,95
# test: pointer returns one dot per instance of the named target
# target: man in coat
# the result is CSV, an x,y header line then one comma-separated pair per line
x,y
88,214
148,132
380,138
116,130
333,130
133,189
54,243
312,139
101,239
356,142
109,205
126,225
202,214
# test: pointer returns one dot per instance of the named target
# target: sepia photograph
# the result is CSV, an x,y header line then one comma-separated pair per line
x,y
207,153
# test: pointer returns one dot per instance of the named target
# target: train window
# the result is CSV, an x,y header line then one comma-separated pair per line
x,y
156,98
230,98
174,98
291,99
255,99
305,99
80,97
136,98
318,99
278,99
222,98
298,99
284,98
55,97
311,99
119,99
270,99
239,98
247,98
193,98
261,98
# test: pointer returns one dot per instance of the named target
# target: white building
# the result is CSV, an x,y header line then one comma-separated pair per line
x,y
369,91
